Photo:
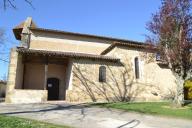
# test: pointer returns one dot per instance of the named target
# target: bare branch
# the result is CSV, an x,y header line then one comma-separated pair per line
x,y
4,60
30,3
4,4
2,34
11,3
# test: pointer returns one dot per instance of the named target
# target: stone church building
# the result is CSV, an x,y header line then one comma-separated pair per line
x,y
58,65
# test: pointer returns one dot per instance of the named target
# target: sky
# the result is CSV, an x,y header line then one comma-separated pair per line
x,y
124,19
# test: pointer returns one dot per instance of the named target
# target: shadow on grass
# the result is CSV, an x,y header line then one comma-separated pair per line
x,y
188,102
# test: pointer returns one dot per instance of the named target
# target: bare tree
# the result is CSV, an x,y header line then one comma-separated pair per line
x,y
2,44
9,4
4,77
2,36
12,4
171,29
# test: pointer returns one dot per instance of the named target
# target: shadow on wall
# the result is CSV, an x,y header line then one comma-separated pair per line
x,y
119,85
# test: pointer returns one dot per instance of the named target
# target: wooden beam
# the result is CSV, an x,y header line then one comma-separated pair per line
x,y
46,71
24,72
43,60
23,83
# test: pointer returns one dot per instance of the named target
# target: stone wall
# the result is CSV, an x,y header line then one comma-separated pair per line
x,y
85,82
67,43
155,83
151,72
15,81
11,75
34,76
19,72
28,96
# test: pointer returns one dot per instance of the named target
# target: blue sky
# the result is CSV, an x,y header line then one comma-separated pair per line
x,y
115,18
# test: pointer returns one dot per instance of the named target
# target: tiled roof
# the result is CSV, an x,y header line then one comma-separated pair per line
x,y
74,55
17,30
21,25
140,46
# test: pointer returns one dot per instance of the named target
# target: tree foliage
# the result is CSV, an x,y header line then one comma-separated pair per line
x,y
171,29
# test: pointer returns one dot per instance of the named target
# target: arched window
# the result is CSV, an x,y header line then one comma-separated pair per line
x,y
137,68
102,74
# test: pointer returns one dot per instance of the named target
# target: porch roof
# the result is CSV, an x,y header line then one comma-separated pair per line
x,y
138,46
74,55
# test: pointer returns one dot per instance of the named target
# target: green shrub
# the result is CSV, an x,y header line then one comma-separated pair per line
x,y
188,84
188,88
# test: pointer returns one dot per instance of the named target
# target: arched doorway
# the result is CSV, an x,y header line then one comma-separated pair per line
x,y
53,88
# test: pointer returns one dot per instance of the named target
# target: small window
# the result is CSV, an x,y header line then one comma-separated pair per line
x,y
102,74
137,68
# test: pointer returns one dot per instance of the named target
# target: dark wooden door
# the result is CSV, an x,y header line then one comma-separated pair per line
x,y
53,88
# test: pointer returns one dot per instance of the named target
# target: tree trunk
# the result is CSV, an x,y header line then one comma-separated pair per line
x,y
179,97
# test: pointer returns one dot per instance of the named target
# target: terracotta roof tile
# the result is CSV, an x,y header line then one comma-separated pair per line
x,y
21,25
17,30
140,46
66,54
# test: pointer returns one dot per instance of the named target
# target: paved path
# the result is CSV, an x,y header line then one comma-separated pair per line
x,y
80,116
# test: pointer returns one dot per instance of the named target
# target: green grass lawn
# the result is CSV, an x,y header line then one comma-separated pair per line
x,y
16,122
154,108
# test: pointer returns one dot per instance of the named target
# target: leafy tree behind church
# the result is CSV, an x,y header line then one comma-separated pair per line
x,y
171,32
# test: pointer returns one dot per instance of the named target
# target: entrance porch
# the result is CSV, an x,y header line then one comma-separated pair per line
x,y
40,78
